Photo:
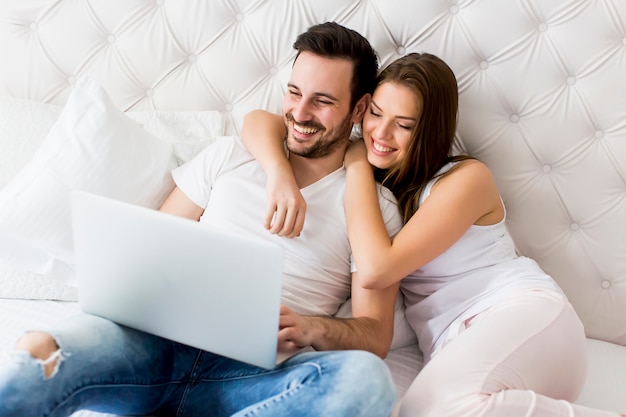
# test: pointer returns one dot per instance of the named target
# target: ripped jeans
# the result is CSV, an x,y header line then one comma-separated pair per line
x,y
105,367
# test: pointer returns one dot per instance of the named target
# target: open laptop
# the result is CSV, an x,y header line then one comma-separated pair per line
x,y
177,278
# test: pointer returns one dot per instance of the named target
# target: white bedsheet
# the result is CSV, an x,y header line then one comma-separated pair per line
x,y
18,283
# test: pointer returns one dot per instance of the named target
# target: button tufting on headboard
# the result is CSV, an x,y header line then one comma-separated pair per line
x,y
543,98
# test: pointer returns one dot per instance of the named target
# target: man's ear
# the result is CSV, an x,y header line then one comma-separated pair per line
x,y
360,108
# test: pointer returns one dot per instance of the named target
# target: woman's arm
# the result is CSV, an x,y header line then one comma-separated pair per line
x,y
466,196
263,133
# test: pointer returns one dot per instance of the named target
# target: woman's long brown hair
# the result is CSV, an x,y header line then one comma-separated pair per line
x,y
435,85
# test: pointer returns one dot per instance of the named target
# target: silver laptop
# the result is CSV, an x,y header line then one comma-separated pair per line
x,y
177,278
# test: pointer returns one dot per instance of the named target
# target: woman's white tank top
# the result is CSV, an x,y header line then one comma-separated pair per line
x,y
471,276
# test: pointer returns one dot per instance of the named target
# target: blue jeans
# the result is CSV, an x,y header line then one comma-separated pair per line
x,y
114,369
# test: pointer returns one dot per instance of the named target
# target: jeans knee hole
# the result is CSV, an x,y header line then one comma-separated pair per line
x,y
51,364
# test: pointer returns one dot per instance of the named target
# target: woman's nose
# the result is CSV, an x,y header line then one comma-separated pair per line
x,y
382,131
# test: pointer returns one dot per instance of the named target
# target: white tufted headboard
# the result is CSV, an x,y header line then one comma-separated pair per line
x,y
542,89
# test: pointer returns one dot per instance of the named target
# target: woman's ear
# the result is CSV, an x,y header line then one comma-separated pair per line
x,y
361,108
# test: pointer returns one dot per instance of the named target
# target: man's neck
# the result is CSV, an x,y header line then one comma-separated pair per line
x,y
310,170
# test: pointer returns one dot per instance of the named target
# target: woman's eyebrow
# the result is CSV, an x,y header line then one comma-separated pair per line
x,y
410,118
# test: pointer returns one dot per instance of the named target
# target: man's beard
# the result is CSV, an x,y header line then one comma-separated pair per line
x,y
323,146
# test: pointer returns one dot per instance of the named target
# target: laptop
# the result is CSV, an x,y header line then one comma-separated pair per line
x,y
177,278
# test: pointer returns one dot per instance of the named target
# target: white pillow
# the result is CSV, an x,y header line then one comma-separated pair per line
x,y
23,126
189,132
95,147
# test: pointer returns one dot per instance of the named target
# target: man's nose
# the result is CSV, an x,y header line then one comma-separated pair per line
x,y
302,111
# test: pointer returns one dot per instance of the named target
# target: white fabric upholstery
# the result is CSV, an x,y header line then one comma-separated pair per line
x,y
543,104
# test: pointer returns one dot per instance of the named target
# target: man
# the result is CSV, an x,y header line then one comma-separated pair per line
x,y
92,363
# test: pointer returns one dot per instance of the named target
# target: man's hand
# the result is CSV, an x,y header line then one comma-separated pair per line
x,y
286,207
295,331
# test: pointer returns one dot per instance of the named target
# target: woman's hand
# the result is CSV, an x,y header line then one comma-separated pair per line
x,y
263,133
286,208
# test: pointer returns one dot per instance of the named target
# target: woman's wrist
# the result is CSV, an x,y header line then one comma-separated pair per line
x,y
358,166
279,168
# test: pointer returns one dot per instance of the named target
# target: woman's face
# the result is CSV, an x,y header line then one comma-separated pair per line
x,y
388,124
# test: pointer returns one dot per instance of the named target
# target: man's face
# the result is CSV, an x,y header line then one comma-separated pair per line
x,y
317,105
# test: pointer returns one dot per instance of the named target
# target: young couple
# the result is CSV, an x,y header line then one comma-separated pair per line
x,y
498,335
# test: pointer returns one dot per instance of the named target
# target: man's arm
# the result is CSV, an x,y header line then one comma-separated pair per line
x,y
371,327
178,204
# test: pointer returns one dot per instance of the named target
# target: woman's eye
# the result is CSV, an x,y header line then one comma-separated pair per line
x,y
373,113
405,127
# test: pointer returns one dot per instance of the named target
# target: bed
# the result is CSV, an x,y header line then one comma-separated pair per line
x,y
542,103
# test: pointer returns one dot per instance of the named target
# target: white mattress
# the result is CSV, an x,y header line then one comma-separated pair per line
x,y
18,316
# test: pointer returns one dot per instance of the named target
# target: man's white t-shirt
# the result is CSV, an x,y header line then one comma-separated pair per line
x,y
229,183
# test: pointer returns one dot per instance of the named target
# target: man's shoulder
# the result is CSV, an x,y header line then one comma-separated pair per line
x,y
389,208
228,147
385,194
225,142
223,155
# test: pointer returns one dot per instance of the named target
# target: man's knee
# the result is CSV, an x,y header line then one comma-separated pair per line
x,y
42,347
379,381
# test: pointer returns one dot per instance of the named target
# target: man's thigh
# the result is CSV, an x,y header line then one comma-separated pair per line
x,y
311,383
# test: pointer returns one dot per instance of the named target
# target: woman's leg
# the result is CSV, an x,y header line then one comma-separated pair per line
x,y
524,357
98,365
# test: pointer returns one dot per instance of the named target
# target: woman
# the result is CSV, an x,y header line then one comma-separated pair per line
x,y
499,337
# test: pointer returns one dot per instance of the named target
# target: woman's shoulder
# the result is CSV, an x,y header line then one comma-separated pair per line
x,y
473,182
469,167
470,175
465,162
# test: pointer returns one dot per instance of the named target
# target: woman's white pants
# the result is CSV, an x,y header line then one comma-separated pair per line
x,y
524,357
